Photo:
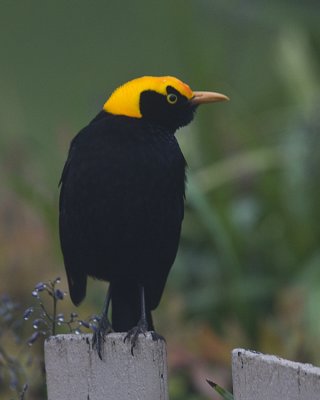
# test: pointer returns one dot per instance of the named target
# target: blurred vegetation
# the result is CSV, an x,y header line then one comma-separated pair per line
x,y
248,269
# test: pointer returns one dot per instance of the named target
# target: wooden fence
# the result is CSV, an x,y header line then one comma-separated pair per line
x,y
75,372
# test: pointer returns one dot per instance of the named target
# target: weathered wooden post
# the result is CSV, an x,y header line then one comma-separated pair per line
x,y
259,376
75,372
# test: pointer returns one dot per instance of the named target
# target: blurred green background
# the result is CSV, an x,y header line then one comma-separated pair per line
x,y
248,269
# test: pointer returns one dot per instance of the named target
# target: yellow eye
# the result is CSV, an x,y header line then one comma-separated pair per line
x,y
172,98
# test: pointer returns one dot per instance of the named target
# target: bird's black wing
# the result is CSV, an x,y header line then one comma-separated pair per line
x,y
76,277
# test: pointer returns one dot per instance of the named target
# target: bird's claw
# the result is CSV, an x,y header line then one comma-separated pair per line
x,y
141,328
133,334
155,336
98,338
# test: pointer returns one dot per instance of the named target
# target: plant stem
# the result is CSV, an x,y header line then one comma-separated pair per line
x,y
54,315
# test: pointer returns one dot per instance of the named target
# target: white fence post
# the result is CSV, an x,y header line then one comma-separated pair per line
x,y
75,372
258,376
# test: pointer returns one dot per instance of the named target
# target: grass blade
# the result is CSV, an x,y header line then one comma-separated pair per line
x,y
224,393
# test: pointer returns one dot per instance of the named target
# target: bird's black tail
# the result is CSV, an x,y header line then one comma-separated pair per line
x,y
126,306
77,287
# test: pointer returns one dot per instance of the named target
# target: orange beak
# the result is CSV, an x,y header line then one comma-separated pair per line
x,y
207,97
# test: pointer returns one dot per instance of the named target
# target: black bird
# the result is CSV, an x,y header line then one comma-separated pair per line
x,y
122,199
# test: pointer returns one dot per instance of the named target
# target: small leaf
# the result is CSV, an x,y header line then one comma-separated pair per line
x,y
60,317
36,323
40,286
224,393
27,313
85,324
59,294
24,390
33,338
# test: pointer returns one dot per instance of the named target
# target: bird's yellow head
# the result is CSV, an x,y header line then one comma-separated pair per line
x,y
126,99
165,100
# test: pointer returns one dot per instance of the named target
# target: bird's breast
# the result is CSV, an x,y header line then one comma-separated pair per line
x,y
122,200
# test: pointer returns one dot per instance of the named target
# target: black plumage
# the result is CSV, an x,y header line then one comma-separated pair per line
x,y
121,209
122,203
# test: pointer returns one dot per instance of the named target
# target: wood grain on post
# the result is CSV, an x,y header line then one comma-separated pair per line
x,y
75,372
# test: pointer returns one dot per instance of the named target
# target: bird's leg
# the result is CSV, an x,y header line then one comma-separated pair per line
x,y
104,326
142,325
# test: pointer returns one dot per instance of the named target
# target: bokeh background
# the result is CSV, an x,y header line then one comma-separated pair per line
x,y
248,270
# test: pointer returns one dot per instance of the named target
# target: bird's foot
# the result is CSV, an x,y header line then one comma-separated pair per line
x,y
141,328
133,334
104,327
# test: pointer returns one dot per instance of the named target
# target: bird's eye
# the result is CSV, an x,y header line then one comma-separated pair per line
x,y
172,98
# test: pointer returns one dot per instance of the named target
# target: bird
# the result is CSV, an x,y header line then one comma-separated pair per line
x,y
122,194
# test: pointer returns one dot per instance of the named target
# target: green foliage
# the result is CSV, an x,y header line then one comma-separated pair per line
x,y
224,393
